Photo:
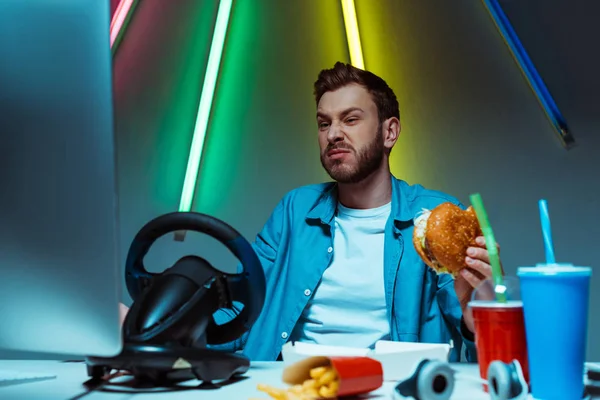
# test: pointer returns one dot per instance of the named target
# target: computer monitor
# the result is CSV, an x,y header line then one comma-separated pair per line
x,y
59,256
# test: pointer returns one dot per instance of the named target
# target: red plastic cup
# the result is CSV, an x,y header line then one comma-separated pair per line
x,y
499,334
356,375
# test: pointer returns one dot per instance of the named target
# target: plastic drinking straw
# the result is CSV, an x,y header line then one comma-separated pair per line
x,y
490,243
546,232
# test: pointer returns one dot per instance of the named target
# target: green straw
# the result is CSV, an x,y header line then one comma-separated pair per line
x,y
490,243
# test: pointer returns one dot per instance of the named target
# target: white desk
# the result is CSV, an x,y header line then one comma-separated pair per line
x,y
70,376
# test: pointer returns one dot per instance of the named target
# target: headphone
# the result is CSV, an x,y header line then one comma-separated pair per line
x,y
170,327
506,381
435,380
431,380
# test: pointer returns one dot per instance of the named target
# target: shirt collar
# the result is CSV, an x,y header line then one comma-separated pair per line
x,y
326,205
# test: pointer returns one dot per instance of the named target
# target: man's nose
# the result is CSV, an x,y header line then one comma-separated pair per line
x,y
335,133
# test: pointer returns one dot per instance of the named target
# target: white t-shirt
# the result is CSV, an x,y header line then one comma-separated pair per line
x,y
348,307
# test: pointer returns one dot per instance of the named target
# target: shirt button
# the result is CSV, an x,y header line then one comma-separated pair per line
x,y
307,292
284,335
330,249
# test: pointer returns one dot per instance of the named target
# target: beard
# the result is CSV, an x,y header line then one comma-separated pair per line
x,y
366,160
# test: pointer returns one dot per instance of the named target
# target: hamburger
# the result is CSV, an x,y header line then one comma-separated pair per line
x,y
442,235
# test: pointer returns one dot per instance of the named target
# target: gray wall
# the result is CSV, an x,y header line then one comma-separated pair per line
x,y
469,121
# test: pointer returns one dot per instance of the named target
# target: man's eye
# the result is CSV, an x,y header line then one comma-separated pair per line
x,y
351,120
323,125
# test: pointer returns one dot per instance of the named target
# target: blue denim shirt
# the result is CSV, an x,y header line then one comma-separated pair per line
x,y
295,248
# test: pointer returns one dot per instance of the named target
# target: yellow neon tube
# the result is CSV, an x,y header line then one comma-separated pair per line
x,y
352,33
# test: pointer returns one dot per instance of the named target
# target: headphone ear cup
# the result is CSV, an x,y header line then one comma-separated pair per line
x,y
436,381
499,381
431,380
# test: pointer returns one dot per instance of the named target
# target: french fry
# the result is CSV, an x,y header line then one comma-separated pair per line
x,y
323,384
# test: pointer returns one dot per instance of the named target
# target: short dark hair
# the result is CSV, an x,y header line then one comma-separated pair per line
x,y
345,74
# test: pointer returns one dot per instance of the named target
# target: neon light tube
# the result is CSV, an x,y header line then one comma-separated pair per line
x,y
206,98
531,75
352,34
120,17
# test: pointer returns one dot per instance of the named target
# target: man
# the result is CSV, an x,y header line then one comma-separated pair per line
x,y
338,257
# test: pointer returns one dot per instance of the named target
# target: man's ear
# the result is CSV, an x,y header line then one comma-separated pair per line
x,y
391,131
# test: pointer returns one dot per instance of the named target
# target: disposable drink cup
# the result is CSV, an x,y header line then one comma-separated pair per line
x,y
499,327
555,304
499,334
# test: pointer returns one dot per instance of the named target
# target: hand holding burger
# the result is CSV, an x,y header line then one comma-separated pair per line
x,y
449,240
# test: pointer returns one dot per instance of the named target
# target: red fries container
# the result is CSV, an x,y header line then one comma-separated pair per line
x,y
356,375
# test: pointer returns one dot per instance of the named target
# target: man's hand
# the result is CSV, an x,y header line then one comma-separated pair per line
x,y
478,269
123,310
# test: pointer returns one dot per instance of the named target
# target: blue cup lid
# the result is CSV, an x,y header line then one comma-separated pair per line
x,y
554,270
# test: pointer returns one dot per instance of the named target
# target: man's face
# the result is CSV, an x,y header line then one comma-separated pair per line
x,y
350,135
